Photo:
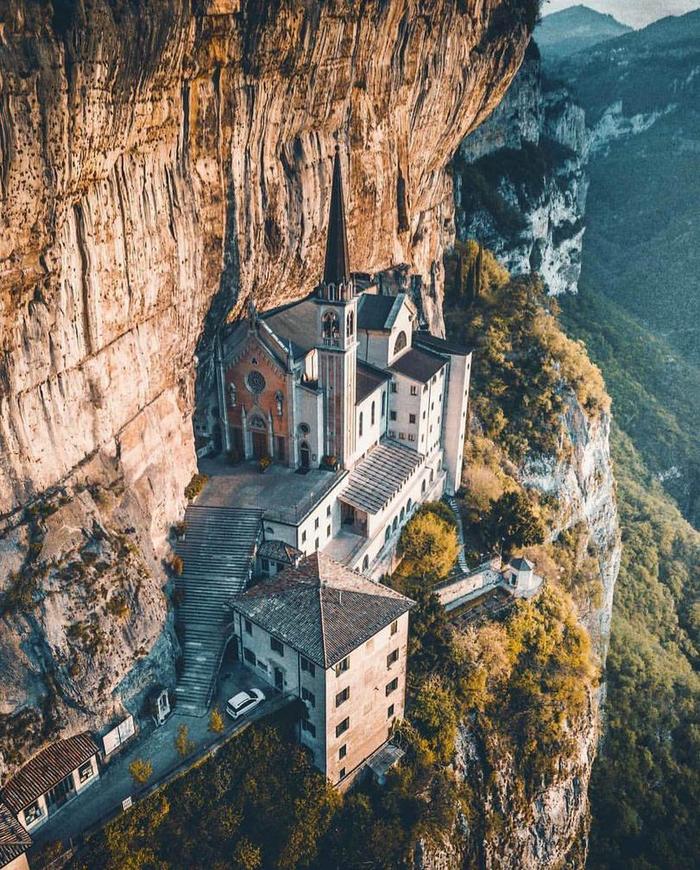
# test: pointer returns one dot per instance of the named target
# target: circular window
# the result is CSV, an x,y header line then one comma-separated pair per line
x,y
255,382
304,428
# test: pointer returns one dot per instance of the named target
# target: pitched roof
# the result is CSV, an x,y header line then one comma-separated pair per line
x,y
294,325
322,609
424,339
376,479
46,769
278,550
419,365
368,379
520,563
337,266
373,311
14,840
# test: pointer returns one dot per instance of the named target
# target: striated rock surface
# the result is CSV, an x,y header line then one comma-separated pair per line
x,y
520,184
161,162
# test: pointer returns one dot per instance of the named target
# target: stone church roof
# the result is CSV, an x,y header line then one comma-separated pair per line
x,y
419,365
376,479
322,609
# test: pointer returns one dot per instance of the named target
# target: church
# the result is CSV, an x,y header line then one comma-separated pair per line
x,y
343,384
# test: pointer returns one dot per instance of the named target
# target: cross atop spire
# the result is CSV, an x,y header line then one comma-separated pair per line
x,y
337,266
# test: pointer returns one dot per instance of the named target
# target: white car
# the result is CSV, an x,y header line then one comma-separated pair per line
x,y
244,702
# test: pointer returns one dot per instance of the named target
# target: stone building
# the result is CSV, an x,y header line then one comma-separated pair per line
x,y
343,381
337,641
50,779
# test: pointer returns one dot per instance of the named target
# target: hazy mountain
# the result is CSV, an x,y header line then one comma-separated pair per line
x,y
564,33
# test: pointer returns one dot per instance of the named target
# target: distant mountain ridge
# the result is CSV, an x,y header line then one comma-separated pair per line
x,y
563,34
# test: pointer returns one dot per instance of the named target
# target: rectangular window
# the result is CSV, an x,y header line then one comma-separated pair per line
x,y
383,403
343,751
306,695
341,773
342,727
249,656
392,686
328,510
308,666
392,434
33,812
394,626
392,658
392,415
85,771
265,566
303,537
402,436
316,523
328,531
342,666
411,437
317,544
414,390
394,387
248,627
309,727
390,712
411,418
276,646
342,697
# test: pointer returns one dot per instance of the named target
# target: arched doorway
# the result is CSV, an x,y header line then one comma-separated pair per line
x,y
304,455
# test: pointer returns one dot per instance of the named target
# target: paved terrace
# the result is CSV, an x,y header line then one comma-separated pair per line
x,y
284,494
102,801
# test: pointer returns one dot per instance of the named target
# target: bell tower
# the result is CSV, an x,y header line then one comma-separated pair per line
x,y
336,328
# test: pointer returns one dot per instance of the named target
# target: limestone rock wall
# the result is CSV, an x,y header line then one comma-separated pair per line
x,y
531,154
161,163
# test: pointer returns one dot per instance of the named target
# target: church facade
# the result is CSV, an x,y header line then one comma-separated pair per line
x,y
346,381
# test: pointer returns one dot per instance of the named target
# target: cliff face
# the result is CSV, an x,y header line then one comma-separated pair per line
x,y
160,163
530,156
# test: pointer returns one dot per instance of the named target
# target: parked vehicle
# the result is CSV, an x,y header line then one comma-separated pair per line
x,y
244,702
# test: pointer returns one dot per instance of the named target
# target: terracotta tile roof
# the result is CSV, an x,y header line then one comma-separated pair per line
x,y
376,479
419,365
46,769
322,609
14,840
280,551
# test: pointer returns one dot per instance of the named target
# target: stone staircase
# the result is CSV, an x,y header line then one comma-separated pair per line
x,y
462,566
217,552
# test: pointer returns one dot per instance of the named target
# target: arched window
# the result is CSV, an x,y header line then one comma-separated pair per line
x,y
330,325
373,413
432,475
360,424
394,524
400,342
350,324
402,514
409,505
387,534
257,422
365,563
422,488
383,404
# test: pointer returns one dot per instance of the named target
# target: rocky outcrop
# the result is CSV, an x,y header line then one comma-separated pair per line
x,y
520,185
160,164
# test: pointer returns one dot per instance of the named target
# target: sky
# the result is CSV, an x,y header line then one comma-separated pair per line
x,y
636,13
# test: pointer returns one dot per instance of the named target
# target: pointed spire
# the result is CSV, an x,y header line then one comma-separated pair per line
x,y
337,267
